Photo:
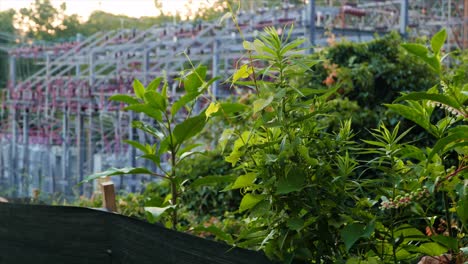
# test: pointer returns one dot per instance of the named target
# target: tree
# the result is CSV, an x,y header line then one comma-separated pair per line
x,y
7,34
40,19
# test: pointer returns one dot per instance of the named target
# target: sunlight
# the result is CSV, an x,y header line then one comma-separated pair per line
x,y
132,8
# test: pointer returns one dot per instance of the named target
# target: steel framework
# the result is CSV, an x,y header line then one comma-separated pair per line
x,y
58,126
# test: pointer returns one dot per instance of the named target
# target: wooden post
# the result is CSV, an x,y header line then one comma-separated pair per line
x,y
108,196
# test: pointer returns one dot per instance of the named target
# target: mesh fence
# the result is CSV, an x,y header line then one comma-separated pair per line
x,y
66,235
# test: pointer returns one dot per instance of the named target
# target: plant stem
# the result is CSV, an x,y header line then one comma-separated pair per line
x,y
447,214
172,177
174,203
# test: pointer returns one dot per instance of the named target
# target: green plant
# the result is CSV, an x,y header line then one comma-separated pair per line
x,y
371,74
293,171
422,191
172,132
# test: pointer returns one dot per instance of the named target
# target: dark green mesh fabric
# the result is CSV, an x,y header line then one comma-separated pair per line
x,y
66,235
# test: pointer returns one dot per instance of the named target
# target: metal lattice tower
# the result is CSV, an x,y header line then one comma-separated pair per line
x,y
58,125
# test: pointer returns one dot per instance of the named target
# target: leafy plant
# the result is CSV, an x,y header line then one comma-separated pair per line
x,y
173,130
294,172
422,187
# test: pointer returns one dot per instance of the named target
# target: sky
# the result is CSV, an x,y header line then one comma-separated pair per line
x,y
133,8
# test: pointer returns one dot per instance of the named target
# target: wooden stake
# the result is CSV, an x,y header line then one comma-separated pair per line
x,y
108,196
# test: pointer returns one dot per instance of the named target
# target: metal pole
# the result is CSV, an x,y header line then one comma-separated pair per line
x,y
145,66
25,173
131,136
47,83
215,66
12,63
312,24
91,70
12,161
403,17
465,24
13,157
64,148
80,145
77,67
49,159
90,142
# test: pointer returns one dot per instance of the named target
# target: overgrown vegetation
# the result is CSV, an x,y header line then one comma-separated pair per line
x,y
311,189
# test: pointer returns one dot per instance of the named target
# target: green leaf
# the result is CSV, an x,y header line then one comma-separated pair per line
x,y
136,145
250,200
423,53
188,148
226,15
186,154
155,158
294,181
183,101
261,103
438,40
244,180
243,72
217,232
224,139
248,45
462,210
212,109
146,109
230,108
154,84
259,46
417,96
416,49
295,224
213,180
157,211
164,145
155,100
431,249
189,128
292,45
446,241
164,89
138,88
444,144
411,114
234,157
115,171
195,79
351,233
124,98
410,233
148,129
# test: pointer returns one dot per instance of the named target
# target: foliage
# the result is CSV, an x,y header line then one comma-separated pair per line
x,y
7,29
306,194
420,189
202,198
103,21
293,170
371,74
41,19
172,132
